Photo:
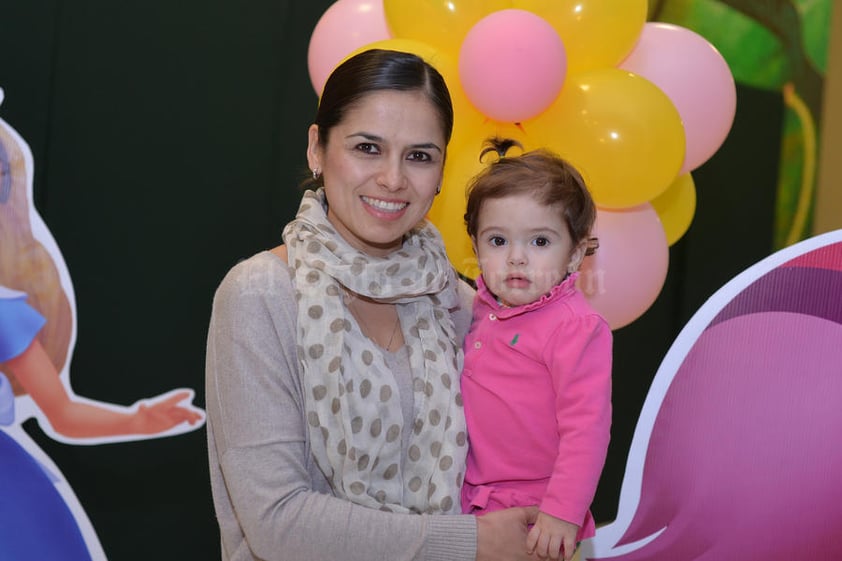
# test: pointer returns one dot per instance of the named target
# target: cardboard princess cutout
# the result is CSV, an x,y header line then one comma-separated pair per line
x,y
40,516
736,453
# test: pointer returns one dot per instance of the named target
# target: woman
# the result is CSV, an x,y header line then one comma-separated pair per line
x,y
335,424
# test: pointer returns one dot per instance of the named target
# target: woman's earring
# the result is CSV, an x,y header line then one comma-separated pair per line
x,y
438,189
316,173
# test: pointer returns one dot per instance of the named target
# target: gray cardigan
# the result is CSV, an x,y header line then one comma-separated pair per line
x,y
271,500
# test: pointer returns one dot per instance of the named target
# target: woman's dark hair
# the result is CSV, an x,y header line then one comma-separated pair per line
x,y
376,70
548,178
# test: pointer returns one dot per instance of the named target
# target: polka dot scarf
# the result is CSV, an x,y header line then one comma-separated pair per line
x,y
353,408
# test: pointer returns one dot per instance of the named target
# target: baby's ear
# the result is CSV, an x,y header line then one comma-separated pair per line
x,y
577,255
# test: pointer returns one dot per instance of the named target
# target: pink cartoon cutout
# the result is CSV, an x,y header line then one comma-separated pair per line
x,y
40,516
736,452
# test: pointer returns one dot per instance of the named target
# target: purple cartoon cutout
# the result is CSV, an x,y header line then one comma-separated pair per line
x,y
735,455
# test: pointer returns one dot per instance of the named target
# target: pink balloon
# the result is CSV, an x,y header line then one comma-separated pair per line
x,y
627,272
344,27
512,65
696,78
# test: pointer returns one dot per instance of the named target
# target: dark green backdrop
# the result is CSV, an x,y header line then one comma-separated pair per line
x,y
168,139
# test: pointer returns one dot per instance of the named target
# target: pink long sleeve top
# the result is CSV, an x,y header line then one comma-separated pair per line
x,y
537,392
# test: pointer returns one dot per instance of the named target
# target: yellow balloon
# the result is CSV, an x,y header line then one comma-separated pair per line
x,y
465,115
468,122
466,118
462,164
676,206
441,61
595,33
448,210
620,130
463,111
441,23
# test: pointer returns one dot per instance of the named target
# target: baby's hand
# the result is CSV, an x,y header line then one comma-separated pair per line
x,y
550,537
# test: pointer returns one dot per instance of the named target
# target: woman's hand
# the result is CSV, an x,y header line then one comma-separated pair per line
x,y
501,535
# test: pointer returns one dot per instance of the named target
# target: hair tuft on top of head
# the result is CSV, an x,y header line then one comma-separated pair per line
x,y
500,146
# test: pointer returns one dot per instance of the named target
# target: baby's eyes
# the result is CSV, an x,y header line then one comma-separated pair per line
x,y
498,241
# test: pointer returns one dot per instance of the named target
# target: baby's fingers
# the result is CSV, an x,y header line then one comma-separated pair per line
x,y
542,550
570,547
532,540
536,543
554,547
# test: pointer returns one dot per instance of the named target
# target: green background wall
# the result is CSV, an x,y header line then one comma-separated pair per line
x,y
169,139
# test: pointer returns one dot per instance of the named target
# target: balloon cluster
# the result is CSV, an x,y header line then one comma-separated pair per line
x,y
636,106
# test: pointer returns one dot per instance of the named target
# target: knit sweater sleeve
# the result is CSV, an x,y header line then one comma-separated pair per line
x,y
270,499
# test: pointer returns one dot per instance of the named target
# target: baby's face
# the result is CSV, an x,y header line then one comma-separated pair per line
x,y
523,248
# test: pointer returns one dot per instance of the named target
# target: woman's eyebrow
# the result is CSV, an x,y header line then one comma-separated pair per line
x,y
376,138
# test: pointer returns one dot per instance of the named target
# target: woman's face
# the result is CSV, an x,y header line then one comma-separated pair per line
x,y
382,166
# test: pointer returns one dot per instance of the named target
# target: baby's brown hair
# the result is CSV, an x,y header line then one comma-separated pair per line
x,y
552,180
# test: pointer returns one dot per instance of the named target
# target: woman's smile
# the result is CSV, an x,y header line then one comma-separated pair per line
x,y
383,207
